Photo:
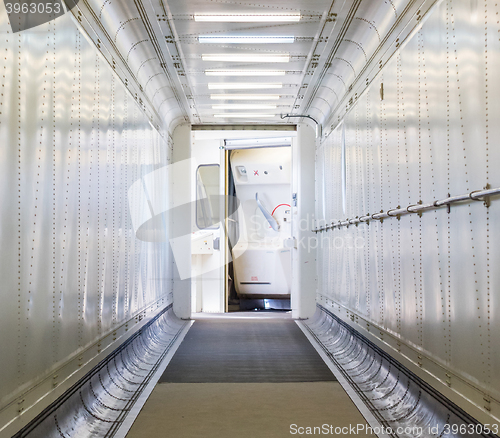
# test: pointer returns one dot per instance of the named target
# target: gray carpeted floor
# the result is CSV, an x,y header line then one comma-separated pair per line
x,y
246,350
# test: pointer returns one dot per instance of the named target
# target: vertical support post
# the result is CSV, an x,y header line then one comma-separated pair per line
x,y
181,218
304,278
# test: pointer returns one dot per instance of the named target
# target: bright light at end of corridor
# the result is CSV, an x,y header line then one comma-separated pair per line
x,y
248,18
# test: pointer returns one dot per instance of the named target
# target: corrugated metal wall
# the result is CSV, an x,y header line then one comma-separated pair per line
x,y
427,287
74,277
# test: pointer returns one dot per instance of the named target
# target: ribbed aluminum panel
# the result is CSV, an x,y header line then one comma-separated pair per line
x,y
364,37
423,285
74,277
133,35
404,405
98,404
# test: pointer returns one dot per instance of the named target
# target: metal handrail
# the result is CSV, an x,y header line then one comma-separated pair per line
x,y
477,195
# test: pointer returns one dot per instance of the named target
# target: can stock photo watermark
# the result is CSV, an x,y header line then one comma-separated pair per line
x,y
362,429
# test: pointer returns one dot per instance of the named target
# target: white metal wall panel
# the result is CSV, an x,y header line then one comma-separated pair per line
x,y
74,141
492,301
425,285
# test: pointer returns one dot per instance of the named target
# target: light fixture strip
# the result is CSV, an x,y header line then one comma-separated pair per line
x,y
245,72
244,57
259,141
246,39
243,106
248,18
244,96
242,86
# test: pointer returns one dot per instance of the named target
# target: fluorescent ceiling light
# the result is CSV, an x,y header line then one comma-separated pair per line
x,y
245,72
244,115
245,57
246,39
242,86
247,18
244,96
259,142
242,106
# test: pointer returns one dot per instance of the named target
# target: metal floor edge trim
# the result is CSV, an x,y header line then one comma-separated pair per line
x,y
143,398
99,402
362,408
401,401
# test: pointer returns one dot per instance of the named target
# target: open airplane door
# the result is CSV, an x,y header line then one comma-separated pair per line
x,y
262,178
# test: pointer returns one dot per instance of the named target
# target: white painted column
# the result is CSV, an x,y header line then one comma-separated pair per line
x,y
181,219
304,278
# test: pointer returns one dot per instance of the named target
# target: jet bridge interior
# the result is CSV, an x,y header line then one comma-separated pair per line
x,y
340,154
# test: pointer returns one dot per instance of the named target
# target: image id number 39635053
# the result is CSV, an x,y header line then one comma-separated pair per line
x,y
34,8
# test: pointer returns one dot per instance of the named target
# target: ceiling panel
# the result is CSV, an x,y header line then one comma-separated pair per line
x,y
188,30
334,43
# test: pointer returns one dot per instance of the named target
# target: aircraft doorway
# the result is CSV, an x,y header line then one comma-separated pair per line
x,y
259,275
244,261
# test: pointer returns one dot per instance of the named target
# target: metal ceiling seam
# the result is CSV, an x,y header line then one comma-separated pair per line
x,y
314,46
325,100
111,42
166,10
118,12
152,77
373,26
359,46
370,23
134,46
331,90
165,100
115,54
319,109
388,34
183,104
420,10
104,3
175,122
393,7
158,90
349,63
122,26
340,78
318,77
143,63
